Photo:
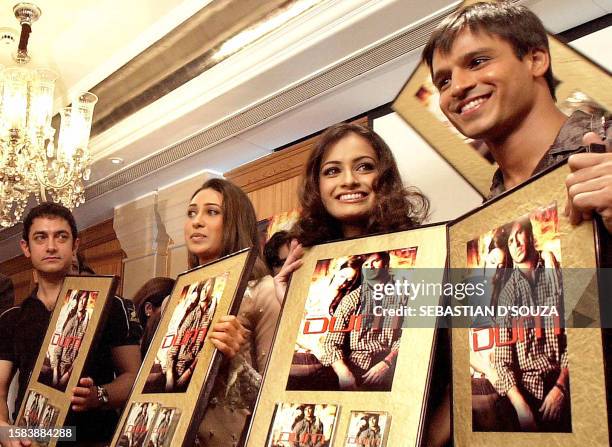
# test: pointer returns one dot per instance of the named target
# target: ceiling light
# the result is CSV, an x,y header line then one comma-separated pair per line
x,y
30,161
116,160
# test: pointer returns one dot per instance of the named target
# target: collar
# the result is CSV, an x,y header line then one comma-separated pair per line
x,y
33,301
568,140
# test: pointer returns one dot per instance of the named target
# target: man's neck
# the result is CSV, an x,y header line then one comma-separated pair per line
x,y
48,289
519,152
528,267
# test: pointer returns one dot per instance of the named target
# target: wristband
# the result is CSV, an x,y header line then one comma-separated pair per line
x,y
102,395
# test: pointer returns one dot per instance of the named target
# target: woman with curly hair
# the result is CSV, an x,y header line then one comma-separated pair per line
x,y
352,187
345,280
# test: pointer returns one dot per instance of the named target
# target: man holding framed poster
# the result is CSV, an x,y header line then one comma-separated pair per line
x,y
491,64
50,241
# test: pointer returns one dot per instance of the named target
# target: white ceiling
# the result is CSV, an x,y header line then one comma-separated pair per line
x,y
87,40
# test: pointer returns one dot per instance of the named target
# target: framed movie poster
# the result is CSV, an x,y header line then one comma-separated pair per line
x,y
527,360
173,386
81,309
579,80
338,359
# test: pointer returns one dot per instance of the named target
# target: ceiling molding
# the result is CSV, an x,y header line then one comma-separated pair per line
x,y
288,99
179,56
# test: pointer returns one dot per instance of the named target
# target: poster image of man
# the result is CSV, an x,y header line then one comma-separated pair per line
x,y
302,425
163,428
138,424
176,358
33,413
65,343
519,367
367,429
336,347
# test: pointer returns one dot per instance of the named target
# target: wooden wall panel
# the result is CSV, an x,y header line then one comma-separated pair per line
x,y
277,198
23,282
100,246
106,259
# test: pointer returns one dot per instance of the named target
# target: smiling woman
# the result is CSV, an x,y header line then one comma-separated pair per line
x,y
352,187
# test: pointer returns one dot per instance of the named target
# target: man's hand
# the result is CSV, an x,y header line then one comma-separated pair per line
x,y
85,395
589,186
228,335
523,411
376,374
525,417
292,263
5,441
347,381
552,405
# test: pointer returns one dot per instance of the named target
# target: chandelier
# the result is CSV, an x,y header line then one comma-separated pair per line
x,y
31,162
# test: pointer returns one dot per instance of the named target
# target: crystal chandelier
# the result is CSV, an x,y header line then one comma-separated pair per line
x,y
30,162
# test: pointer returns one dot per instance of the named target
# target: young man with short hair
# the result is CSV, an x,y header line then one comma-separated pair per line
x,y
491,64
50,240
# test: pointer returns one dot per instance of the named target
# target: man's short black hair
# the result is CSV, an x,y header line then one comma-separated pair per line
x,y
49,209
272,247
515,24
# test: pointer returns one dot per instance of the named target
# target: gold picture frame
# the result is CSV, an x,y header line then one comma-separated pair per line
x,y
84,301
541,199
406,398
417,105
179,369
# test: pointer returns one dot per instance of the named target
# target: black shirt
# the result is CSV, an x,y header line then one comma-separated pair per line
x,y
22,331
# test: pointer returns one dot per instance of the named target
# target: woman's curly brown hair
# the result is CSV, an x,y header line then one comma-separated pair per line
x,y
397,208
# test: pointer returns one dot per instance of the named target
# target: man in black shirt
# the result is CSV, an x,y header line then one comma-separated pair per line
x,y
50,240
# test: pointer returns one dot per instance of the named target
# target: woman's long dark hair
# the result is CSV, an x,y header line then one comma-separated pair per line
x,y
502,273
154,291
196,302
354,262
75,309
397,207
239,224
